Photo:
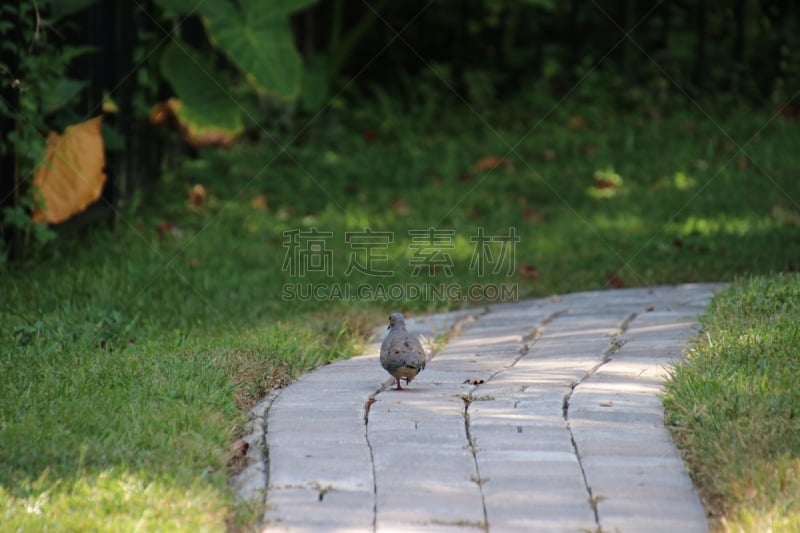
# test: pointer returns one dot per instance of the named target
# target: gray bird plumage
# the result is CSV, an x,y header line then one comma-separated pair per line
x,y
402,354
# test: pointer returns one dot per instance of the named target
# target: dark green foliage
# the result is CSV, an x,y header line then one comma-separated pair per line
x,y
745,48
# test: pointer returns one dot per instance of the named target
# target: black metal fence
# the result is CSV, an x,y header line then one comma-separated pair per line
x,y
112,29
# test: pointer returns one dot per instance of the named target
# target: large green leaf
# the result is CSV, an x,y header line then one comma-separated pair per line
x,y
314,90
257,37
205,104
61,93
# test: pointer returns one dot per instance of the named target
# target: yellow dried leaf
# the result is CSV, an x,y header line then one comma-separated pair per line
x,y
491,162
198,195
259,202
71,176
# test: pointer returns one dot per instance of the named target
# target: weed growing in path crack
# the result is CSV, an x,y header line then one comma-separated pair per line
x,y
323,490
478,480
476,477
615,344
462,523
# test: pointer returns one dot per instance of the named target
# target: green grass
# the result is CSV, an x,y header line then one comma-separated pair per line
x,y
734,406
129,359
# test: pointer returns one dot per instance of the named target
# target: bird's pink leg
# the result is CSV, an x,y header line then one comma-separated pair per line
x,y
398,384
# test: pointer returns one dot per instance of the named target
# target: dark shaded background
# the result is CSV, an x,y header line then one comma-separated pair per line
x,y
639,53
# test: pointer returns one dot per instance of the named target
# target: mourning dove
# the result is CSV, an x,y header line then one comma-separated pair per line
x,y
402,355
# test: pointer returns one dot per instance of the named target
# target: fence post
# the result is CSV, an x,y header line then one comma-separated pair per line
x,y
700,57
9,166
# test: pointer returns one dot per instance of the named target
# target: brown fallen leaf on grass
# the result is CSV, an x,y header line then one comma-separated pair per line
x,y
615,281
527,271
576,122
259,202
548,155
71,175
606,179
603,183
790,111
492,162
530,213
165,227
400,207
474,381
589,149
474,212
750,491
197,196
724,146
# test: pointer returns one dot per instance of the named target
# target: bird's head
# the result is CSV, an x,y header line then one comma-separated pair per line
x,y
396,319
